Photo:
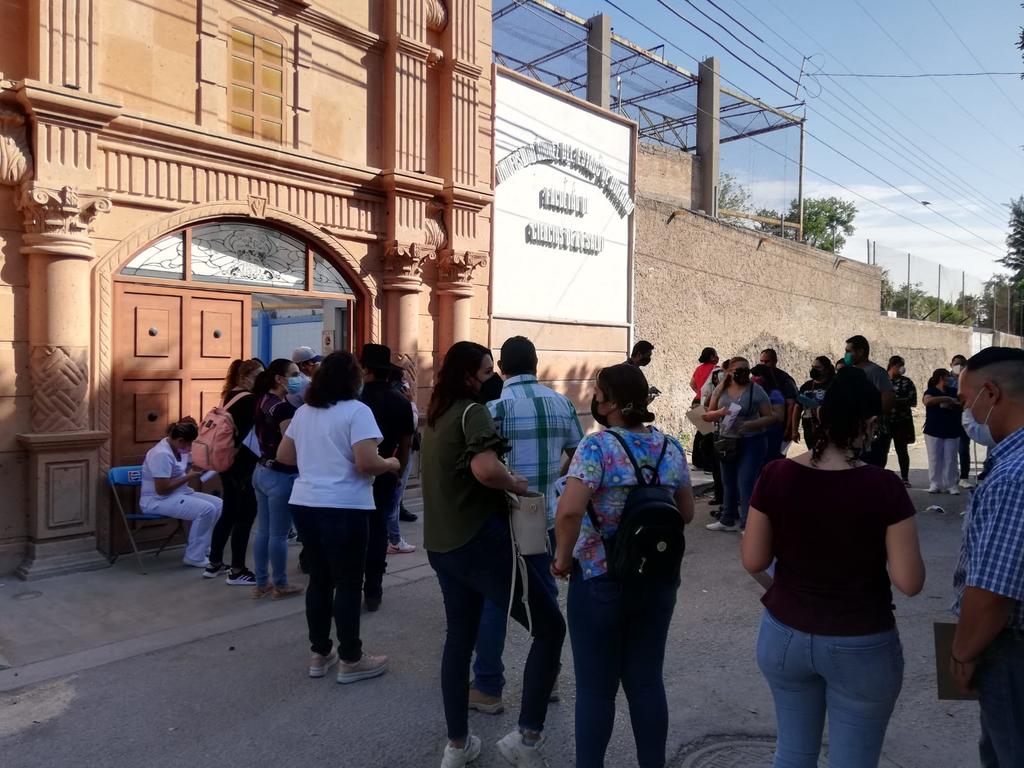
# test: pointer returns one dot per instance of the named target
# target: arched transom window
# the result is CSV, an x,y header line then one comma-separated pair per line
x,y
239,253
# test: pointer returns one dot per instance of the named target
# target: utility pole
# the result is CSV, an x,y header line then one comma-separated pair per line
x,y
963,294
908,286
939,291
800,188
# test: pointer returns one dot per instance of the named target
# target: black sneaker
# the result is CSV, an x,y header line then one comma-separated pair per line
x,y
213,570
406,516
373,603
243,578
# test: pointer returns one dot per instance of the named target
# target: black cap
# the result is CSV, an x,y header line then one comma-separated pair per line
x,y
994,355
377,357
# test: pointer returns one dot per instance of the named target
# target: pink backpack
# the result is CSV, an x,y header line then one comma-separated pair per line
x,y
215,447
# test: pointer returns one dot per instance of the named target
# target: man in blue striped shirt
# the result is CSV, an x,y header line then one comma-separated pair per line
x,y
543,430
988,648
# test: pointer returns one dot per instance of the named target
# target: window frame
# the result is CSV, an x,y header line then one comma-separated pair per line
x,y
260,33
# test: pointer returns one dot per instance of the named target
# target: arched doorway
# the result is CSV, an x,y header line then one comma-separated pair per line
x,y
190,302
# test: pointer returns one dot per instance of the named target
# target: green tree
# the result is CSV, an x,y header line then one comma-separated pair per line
x,y
733,196
828,221
1014,259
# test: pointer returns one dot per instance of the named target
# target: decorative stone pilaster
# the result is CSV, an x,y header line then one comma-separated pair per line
x,y
455,286
63,453
403,279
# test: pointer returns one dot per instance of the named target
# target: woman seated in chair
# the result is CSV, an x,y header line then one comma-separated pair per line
x,y
166,474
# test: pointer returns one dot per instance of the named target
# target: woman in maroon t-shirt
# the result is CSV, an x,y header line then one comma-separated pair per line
x,y
828,641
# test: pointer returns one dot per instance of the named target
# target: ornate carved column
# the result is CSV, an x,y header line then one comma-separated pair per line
x,y
412,221
467,192
59,210
455,285
63,458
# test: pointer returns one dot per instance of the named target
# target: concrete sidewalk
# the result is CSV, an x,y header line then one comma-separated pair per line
x,y
240,695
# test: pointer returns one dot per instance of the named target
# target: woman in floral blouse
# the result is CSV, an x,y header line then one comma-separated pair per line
x,y
618,631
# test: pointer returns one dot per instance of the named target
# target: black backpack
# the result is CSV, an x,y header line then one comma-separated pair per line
x,y
649,543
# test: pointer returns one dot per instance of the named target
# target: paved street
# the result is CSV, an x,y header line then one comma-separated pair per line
x,y
231,689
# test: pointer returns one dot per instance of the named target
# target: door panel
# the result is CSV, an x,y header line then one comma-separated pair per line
x,y
216,333
149,337
146,408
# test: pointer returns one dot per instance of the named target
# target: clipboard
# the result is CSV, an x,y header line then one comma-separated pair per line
x,y
694,416
947,690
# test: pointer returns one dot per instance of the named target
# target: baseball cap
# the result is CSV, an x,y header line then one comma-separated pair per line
x,y
305,355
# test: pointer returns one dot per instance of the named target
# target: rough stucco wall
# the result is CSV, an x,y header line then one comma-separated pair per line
x,y
668,174
700,283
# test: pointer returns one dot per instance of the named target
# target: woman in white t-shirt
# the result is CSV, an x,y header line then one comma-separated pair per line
x,y
166,474
333,439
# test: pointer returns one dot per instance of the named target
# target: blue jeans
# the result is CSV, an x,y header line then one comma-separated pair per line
x,y
335,545
739,477
1000,684
391,520
479,570
855,680
618,634
488,669
273,520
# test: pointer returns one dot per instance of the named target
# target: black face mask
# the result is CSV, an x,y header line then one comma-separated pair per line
x,y
742,377
817,375
602,420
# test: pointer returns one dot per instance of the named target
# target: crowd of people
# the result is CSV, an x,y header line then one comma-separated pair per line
x,y
332,464
759,412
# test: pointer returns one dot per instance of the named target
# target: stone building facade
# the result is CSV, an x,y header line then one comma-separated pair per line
x,y
168,168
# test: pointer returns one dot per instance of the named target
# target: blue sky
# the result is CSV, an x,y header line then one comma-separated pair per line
x,y
956,143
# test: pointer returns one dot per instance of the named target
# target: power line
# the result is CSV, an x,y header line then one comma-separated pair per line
x,y
711,37
894,41
822,141
976,60
729,32
980,215
922,74
895,108
816,173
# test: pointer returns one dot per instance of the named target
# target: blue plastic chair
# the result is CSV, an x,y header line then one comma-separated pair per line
x,y
131,477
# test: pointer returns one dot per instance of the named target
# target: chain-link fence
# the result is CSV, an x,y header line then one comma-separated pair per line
x,y
921,289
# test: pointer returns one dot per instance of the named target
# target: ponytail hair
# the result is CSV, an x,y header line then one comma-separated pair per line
x,y
267,378
237,371
186,430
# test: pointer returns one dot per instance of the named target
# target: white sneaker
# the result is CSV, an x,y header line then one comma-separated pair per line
x,y
318,664
965,483
516,752
403,547
934,489
954,491
367,667
456,758
720,526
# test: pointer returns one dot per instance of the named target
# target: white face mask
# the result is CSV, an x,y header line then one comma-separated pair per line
x,y
955,369
978,432
903,370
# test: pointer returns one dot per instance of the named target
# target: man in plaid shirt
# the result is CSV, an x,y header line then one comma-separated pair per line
x,y
988,649
543,430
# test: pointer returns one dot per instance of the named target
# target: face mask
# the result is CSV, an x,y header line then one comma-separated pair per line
x,y
951,382
817,375
956,369
903,370
303,383
295,384
979,432
848,358
598,417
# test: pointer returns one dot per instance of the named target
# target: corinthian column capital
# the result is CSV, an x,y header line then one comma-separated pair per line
x,y
59,221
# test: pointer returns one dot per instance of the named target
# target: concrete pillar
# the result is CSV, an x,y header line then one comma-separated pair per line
x,y
599,60
708,129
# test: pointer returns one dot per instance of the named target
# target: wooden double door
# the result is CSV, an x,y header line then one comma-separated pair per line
x,y
172,349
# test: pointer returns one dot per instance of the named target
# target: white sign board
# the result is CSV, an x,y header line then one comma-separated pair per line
x,y
562,208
